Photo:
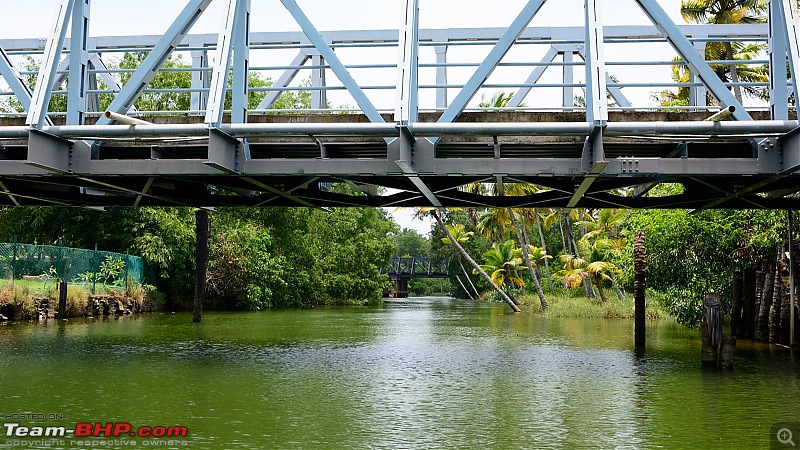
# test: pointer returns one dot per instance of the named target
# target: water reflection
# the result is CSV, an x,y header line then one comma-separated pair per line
x,y
414,373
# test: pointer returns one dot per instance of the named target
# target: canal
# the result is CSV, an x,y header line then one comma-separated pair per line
x,y
421,373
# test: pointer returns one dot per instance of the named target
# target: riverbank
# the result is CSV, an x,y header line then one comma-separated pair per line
x,y
19,301
562,305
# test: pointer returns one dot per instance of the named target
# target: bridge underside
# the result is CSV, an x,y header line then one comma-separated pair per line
x,y
719,164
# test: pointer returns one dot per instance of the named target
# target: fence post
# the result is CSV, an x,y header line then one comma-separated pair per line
x,y
127,263
14,260
94,270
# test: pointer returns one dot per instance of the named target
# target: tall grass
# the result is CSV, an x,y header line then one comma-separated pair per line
x,y
566,304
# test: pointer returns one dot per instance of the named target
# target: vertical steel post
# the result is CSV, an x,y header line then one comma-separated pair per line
x,y
791,278
441,69
596,103
200,78
241,62
791,33
567,94
319,97
78,63
406,100
778,91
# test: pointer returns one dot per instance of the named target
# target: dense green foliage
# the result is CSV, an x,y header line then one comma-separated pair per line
x,y
259,258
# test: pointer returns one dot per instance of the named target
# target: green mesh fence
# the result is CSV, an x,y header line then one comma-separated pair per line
x,y
40,266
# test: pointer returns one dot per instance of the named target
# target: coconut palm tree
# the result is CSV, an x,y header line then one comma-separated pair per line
x,y
435,214
725,12
501,263
594,262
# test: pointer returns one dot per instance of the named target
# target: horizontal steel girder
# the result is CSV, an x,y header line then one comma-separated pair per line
x,y
172,164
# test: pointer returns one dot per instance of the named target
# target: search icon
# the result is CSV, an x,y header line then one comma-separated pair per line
x,y
785,436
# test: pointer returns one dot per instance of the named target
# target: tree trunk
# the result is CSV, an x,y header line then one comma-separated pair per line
x,y
599,284
785,313
469,279
527,256
711,327
639,286
736,305
777,301
201,261
587,283
62,299
464,288
737,90
563,239
472,262
762,326
544,247
749,308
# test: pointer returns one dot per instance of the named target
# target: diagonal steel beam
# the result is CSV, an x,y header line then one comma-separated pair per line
x,y
279,192
488,65
37,113
533,78
333,61
283,81
594,162
14,80
160,52
681,44
144,190
10,194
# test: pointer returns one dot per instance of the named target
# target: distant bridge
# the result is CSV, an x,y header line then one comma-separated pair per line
x,y
416,268
401,270
599,155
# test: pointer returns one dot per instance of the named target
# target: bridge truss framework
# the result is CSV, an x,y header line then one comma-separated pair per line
x,y
588,158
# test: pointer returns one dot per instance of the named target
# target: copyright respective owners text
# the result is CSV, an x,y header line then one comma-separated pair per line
x,y
784,435
53,430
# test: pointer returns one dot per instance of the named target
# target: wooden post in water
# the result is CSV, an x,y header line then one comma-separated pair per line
x,y
639,284
711,329
62,299
201,261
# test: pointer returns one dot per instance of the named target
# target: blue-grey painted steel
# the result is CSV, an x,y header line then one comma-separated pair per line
x,y
241,62
160,52
490,62
14,80
333,61
684,48
37,113
286,77
790,29
78,63
778,92
406,103
596,103
533,78
222,65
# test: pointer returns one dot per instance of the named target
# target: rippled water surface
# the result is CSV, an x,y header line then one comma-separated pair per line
x,y
421,373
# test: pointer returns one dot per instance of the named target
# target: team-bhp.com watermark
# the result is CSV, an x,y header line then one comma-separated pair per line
x,y
88,434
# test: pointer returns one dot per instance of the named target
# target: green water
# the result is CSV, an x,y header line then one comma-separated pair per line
x,y
422,373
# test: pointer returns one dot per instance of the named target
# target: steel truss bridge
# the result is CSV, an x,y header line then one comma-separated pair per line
x,y
415,267
608,153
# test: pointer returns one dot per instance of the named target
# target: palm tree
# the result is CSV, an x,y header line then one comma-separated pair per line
x,y
472,262
725,12
461,236
494,224
501,262
594,262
